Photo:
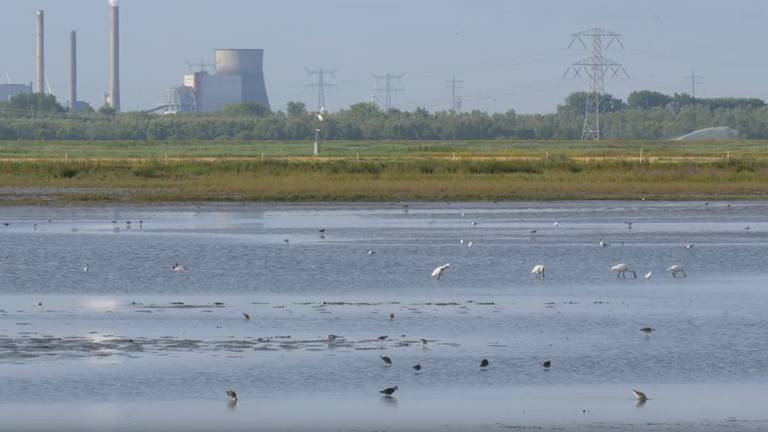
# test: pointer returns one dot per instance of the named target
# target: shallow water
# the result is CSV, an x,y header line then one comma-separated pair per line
x,y
131,343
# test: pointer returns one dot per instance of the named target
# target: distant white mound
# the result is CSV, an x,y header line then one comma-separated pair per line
x,y
710,133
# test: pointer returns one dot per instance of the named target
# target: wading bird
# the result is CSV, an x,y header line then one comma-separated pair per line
x,y
640,396
675,269
387,392
622,270
386,359
332,337
438,271
232,395
689,246
603,244
538,271
648,275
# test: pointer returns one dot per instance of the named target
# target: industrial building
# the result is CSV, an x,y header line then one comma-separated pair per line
x,y
239,77
7,91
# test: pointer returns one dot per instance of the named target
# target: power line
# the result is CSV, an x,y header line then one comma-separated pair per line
x,y
694,80
321,84
595,68
454,85
388,89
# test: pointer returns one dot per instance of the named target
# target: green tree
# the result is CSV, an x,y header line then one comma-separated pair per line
x,y
647,99
35,103
296,109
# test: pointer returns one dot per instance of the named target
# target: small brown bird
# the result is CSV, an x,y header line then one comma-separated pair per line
x,y
391,317
547,364
232,396
386,359
485,363
640,396
246,316
417,367
647,330
388,391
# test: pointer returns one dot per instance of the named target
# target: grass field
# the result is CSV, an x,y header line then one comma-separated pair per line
x,y
105,172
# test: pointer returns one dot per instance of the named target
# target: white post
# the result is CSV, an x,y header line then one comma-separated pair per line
x,y
262,156
317,141
358,156
66,156
641,155
728,155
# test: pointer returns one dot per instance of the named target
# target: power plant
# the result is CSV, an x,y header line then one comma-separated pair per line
x,y
113,92
39,52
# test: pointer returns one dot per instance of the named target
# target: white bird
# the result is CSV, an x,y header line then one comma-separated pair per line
x,y
622,270
603,244
461,241
689,246
648,275
178,268
438,271
556,224
538,271
675,269
371,252
85,268
469,244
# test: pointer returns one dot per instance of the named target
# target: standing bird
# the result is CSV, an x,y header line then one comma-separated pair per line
x,y
391,317
640,396
246,316
629,225
603,244
689,246
469,245
386,359
675,269
417,367
547,364
485,363
556,224
382,338
371,252
647,330
387,392
648,275
332,337
438,271
538,271
424,342
232,395
622,270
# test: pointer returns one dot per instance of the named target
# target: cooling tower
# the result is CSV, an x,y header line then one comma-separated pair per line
x,y
247,64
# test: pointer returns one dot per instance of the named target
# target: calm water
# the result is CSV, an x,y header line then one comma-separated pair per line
x,y
131,344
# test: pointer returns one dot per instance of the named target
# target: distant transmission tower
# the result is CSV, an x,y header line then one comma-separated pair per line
x,y
595,68
388,89
321,84
454,85
694,80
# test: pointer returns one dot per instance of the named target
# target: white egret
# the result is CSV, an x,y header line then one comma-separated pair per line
x,y
538,271
648,275
438,271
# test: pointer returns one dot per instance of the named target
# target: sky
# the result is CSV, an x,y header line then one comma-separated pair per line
x,y
509,54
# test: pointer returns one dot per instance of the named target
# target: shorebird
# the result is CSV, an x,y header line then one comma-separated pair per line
x,y
675,269
382,338
232,395
469,245
629,225
424,342
332,337
438,271
622,270
640,396
746,228
3,258
177,267
647,330
246,316
391,317
461,241
474,223
321,230
85,268
371,252
648,275
485,363
386,359
603,244
547,364
286,240
556,224
387,392
689,246
417,367
538,271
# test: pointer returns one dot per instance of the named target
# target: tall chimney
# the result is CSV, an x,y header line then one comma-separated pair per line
x,y
114,56
39,52
72,70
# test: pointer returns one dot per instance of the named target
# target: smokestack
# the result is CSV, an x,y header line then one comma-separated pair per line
x,y
114,56
72,70
39,52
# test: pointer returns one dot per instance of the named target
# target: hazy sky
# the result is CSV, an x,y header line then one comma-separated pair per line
x,y
508,53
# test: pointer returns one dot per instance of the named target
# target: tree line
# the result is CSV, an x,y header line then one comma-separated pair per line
x,y
644,115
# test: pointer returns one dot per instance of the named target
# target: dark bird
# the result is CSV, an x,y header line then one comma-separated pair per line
x,y
746,228
532,232
6,223
424,341
391,317
322,230
629,225
640,396
388,391
417,367
246,316
547,364
485,363
371,252
386,359
232,396
382,338
647,330
332,337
